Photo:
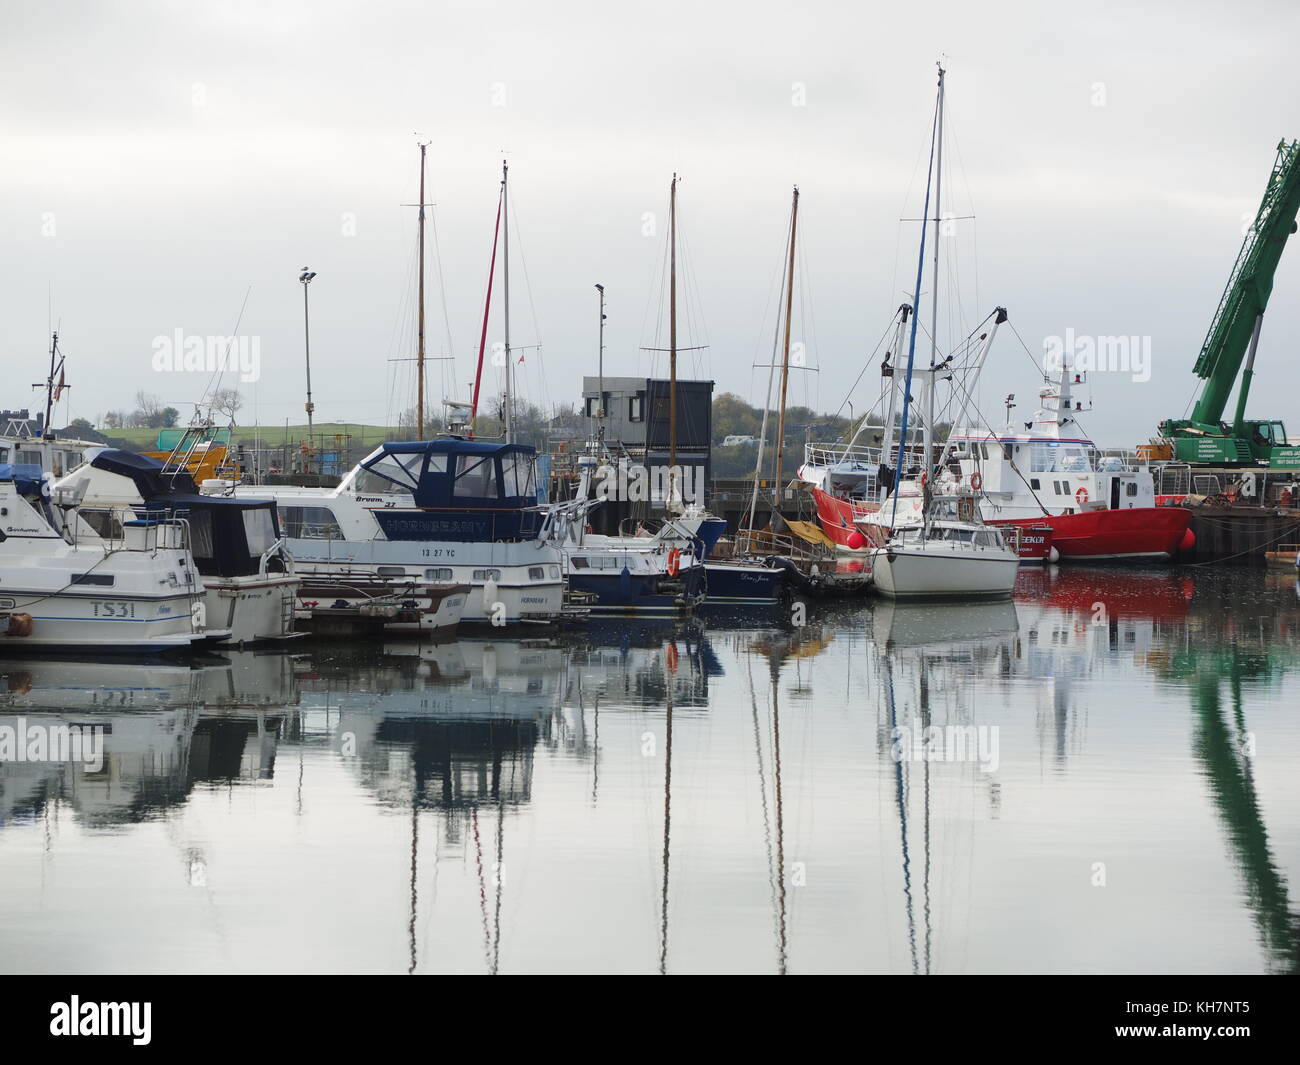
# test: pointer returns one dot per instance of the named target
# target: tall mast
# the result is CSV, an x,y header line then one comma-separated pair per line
x,y
419,354
672,339
505,255
49,385
785,360
600,370
931,379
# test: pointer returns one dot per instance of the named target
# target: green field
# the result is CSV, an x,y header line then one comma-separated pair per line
x,y
272,435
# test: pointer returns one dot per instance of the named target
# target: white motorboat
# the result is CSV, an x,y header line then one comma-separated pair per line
x,y
447,511
248,576
64,587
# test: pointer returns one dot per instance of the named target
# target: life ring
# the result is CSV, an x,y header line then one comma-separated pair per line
x,y
1081,496
674,562
925,476
976,481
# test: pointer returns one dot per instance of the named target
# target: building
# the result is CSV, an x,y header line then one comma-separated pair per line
x,y
637,424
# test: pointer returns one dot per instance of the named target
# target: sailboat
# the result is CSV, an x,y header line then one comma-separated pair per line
x,y
946,551
669,570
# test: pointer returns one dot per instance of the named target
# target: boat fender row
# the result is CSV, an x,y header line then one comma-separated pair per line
x,y
18,625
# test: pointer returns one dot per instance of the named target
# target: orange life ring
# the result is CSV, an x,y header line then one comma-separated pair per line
x,y
674,562
976,481
1081,496
925,476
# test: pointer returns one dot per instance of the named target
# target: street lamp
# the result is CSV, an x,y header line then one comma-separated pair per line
x,y
306,278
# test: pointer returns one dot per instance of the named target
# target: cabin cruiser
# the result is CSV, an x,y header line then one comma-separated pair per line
x,y
247,574
66,587
447,511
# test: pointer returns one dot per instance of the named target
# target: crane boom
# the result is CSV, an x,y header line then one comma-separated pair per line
x,y
1234,332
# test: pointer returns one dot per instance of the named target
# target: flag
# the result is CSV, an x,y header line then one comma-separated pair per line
x,y
58,389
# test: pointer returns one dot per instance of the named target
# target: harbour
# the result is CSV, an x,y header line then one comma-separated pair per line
x,y
517,491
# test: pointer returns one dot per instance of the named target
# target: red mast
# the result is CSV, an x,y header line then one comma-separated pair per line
x,y
487,306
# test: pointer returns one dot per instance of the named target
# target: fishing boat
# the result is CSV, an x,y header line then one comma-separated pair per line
x,y
247,574
64,587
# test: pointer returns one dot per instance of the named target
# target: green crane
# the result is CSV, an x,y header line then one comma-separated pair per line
x,y
1234,334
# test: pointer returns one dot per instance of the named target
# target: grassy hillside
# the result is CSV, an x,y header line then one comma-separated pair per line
x,y
271,435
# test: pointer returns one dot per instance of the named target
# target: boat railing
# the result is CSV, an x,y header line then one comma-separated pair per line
x,y
122,529
763,542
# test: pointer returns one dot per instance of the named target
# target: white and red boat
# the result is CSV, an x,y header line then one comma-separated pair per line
x,y
1048,477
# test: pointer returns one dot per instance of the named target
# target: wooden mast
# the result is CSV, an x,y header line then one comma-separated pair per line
x,y
419,354
505,264
785,360
672,341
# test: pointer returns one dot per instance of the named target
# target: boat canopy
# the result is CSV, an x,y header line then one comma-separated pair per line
x,y
227,536
26,476
466,489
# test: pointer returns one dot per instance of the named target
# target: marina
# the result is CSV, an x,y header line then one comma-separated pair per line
x,y
507,490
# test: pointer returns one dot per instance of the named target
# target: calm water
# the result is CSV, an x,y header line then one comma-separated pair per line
x,y
726,795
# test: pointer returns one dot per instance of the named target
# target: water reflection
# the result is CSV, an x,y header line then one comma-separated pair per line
x,y
703,795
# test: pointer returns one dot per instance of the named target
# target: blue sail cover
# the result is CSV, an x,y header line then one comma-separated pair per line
x,y
26,476
464,490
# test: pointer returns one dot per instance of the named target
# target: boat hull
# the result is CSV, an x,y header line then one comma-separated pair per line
x,y
743,583
253,609
902,573
640,593
1154,533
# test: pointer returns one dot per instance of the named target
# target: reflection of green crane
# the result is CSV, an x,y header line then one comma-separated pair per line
x,y
1229,773
1234,336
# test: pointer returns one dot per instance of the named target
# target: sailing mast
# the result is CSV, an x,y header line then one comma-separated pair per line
x,y
419,355
672,342
785,364
508,416
932,380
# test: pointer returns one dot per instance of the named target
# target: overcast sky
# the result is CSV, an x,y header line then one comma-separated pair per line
x,y
159,161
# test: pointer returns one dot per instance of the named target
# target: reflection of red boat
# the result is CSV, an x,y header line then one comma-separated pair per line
x,y
838,517
1158,594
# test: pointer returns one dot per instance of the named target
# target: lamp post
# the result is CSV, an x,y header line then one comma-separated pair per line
x,y
306,278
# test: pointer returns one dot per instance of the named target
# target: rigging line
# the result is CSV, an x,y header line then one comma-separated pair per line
x,y
870,361
1039,371
442,293
218,371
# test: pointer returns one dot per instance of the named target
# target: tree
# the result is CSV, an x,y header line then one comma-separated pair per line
x,y
80,425
227,401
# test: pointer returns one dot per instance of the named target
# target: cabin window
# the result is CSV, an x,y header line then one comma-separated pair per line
x,y
516,473
441,573
636,407
399,473
259,530
487,574
537,573
311,523
1033,483
555,573
200,533
1132,488
578,562
391,571
477,478
104,580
